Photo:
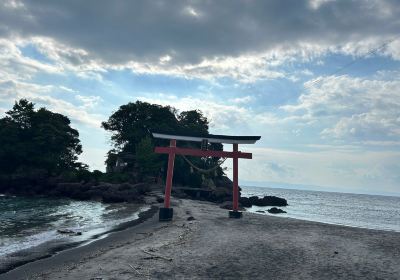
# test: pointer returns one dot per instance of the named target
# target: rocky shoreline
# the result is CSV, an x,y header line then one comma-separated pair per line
x,y
96,191
221,192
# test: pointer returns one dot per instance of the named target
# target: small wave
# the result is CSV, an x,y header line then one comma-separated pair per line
x,y
21,231
13,245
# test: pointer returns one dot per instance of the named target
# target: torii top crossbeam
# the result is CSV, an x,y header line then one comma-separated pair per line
x,y
212,138
166,213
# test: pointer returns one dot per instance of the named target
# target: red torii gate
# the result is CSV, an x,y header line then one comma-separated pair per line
x,y
166,212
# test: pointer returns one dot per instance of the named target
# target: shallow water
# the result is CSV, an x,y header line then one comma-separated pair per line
x,y
357,210
29,222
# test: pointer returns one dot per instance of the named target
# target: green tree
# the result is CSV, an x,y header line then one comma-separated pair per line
x,y
134,121
193,122
132,125
149,163
22,114
11,152
57,145
39,139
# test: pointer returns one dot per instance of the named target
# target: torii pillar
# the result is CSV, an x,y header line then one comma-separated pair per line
x,y
235,213
167,212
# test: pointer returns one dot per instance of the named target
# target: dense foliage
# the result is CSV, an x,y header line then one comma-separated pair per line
x,y
39,151
37,141
131,126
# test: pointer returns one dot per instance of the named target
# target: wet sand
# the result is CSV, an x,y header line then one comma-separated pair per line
x,y
215,247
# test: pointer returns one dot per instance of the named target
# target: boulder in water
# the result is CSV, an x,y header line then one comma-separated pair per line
x,y
274,201
265,201
275,210
245,202
69,232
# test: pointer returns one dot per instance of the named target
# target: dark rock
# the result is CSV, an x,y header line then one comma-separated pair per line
x,y
104,186
218,191
160,199
265,201
113,198
274,201
275,210
65,231
125,186
141,188
260,211
245,202
254,200
190,218
223,190
223,182
69,232
115,193
95,194
221,194
38,184
68,187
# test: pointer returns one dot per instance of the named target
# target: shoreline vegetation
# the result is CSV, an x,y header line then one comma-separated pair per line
x,y
39,151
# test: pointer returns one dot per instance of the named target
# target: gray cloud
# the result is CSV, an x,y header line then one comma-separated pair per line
x,y
361,109
41,95
279,169
189,31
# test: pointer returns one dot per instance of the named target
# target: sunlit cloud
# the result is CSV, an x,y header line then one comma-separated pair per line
x,y
361,108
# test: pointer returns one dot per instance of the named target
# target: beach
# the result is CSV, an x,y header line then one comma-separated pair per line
x,y
203,243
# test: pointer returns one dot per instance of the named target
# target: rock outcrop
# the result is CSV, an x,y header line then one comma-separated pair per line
x,y
265,201
275,210
69,232
220,193
105,192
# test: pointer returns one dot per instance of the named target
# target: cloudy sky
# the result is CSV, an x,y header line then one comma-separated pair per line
x,y
319,80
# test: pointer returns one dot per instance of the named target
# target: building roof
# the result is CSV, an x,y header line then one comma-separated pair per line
x,y
212,138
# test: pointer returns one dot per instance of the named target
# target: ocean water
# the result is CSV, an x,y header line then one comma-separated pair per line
x,y
29,222
356,210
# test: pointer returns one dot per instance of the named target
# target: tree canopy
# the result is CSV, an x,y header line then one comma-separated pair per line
x,y
131,126
37,139
133,121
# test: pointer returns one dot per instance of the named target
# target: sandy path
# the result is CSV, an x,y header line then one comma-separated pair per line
x,y
216,247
